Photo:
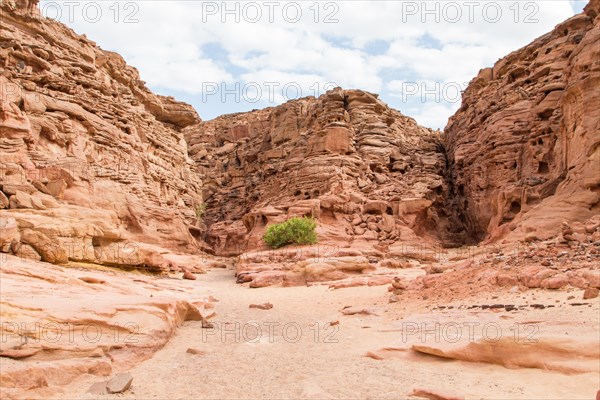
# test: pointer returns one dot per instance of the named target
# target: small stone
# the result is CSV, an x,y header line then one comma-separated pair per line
x,y
436,269
188,275
556,282
197,352
373,356
394,299
98,388
434,394
92,280
506,280
590,293
399,284
97,353
264,306
334,323
358,311
119,383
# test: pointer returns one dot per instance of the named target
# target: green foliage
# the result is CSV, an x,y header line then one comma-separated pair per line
x,y
292,231
200,210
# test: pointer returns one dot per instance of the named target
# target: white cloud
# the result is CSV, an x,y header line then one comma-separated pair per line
x,y
434,115
166,44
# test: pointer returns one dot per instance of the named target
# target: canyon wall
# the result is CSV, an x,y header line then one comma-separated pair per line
x,y
96,168
93,166
524,148
370,175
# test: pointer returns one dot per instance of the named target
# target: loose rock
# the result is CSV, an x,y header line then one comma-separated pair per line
x,y
264,306
119,383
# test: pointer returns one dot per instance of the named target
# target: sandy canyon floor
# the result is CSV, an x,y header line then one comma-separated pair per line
x,y
305,347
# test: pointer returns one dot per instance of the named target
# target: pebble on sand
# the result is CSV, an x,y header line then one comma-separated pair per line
x,y
194,351
373,356
98,388
590,293
264,306
119,383
434,395
188,275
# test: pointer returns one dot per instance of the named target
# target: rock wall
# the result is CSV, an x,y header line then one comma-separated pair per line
x,y
93,166
96,168
369,174
524,148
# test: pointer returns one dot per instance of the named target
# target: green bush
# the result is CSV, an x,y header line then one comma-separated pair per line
x,y
200,210
292,231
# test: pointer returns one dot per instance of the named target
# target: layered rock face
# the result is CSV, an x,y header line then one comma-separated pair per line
x,y
366,172
524,148
96,168
102,322
93,166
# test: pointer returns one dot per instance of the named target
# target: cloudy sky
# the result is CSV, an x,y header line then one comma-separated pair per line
x,y
225,57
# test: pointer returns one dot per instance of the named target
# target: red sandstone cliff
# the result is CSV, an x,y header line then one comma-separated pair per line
x,y
92,160
93,165
524,148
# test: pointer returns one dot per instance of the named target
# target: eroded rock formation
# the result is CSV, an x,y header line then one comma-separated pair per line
x,y
371,176
102,321
524,148
93,166
368,173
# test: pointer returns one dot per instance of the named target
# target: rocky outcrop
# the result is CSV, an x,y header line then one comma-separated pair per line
x,y
103,321
548,353
365,171
97,169
518,159
524,148
91,162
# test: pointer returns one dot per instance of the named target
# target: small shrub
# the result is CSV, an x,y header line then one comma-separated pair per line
x,y
292,231
200,210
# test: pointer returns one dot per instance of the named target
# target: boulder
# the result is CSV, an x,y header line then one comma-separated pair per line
x,y
49,249
21,200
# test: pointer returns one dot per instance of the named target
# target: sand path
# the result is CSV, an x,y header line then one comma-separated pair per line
x,y
297,354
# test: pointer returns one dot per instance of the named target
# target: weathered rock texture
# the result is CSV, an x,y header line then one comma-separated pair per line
x,y
92,164
524,148
521,156
365,171
96,168
102,321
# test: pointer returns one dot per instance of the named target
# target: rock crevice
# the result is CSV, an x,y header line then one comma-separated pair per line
x,y
524,148
93,161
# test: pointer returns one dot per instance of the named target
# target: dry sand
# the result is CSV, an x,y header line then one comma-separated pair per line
x,y
299,355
